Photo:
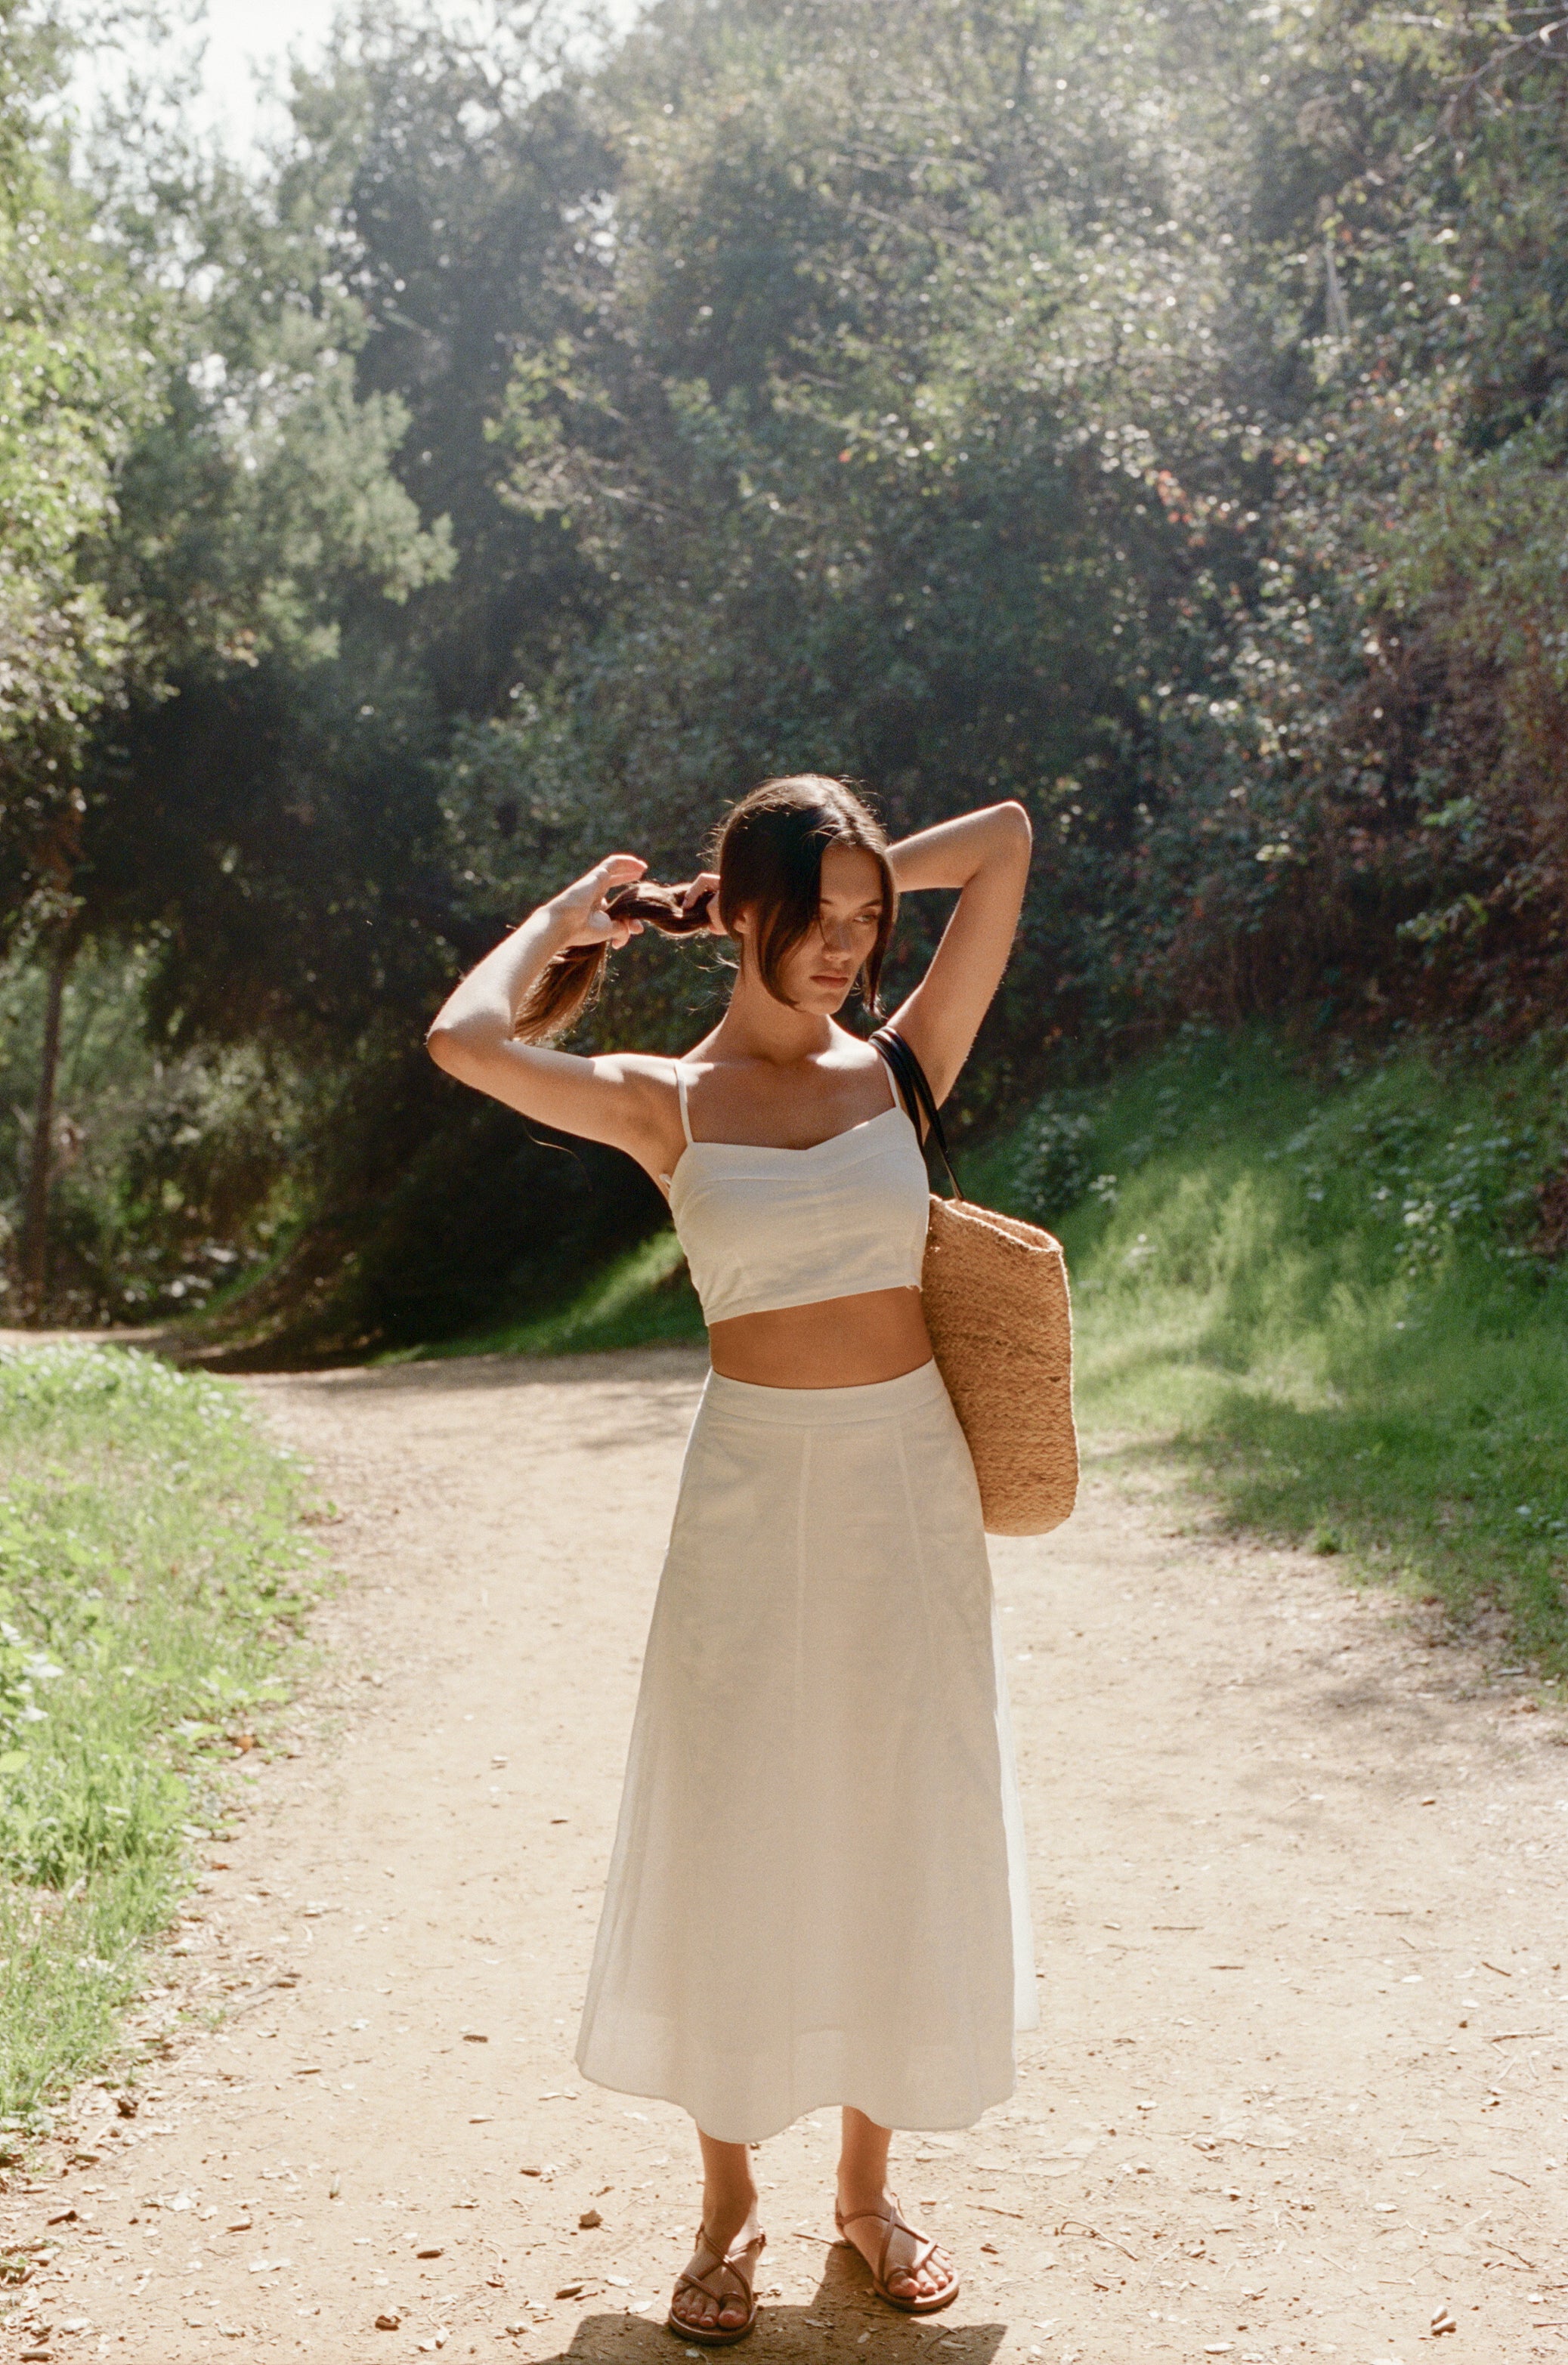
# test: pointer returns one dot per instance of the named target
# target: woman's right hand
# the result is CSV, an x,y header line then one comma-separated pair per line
x,y
706,883
582,903
619,1099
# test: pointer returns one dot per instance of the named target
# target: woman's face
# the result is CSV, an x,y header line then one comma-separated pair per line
x,y
817,973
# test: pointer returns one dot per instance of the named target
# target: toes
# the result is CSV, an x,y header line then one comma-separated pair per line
x,y
701,2312
910,2281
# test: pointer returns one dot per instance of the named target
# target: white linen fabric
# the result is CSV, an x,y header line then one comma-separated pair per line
x,y
765,1227
817,1892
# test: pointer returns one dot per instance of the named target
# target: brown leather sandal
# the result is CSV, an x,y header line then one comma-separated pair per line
x,y
924,2250
724,2263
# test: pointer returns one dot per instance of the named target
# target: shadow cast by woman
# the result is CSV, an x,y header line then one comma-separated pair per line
x,y
842,2313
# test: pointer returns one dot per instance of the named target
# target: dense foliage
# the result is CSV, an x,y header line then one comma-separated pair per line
x,y
1157,414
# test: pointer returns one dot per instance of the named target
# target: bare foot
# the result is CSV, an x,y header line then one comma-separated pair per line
x,y
917,2271
715,2295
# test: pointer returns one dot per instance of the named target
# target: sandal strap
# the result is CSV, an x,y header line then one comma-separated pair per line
x,y
894,2220
723,2263
924,2246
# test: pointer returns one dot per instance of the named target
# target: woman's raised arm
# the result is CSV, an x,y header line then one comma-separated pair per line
x,y
985,856
617,1098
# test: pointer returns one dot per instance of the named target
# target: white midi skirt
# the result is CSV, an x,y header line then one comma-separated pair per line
x,y
817,1891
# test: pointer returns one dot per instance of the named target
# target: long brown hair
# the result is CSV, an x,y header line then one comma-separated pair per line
x,y
768,854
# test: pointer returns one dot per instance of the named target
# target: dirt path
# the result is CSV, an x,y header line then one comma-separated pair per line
x,y
1300,1922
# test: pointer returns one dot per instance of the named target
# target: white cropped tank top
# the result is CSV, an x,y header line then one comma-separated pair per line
x,y
764,1228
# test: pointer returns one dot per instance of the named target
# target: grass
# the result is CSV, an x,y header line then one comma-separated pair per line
x,y
152,1581
1322,1294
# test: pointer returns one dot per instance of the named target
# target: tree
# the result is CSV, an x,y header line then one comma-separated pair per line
x,y
189,510
864,429
73,384
1371,824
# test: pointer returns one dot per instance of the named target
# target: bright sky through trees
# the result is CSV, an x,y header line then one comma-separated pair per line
x,y
243,38
245,56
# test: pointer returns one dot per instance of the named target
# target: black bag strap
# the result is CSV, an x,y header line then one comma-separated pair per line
x,y
914,1090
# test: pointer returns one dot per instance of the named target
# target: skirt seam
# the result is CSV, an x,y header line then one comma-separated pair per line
x,y
802,1498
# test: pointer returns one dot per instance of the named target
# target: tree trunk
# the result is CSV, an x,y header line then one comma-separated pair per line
x,y
35,1218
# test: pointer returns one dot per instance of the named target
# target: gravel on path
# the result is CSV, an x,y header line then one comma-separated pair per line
x,y
1299,2086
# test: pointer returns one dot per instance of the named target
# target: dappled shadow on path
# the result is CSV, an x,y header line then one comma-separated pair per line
x,y
843,2308
782,2332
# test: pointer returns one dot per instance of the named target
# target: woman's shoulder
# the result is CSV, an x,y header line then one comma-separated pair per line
x,y
650,1076
849,1051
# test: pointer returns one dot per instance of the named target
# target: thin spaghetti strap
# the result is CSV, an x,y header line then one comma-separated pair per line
x,y
681,1089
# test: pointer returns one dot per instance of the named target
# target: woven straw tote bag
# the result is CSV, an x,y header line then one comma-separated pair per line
x,y
995,1290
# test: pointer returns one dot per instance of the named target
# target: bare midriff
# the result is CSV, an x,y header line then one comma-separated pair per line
x,y
841,1342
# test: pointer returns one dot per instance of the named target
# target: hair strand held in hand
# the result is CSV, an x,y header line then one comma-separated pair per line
x,y
768,855
569,984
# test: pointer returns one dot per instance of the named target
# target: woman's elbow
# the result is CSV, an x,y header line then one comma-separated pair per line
x,y
1015,827
445,1044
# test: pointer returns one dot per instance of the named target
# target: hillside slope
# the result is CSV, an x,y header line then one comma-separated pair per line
x,y
1336,1297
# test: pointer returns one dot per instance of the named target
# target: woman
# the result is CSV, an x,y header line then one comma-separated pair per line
x,y
816,1893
